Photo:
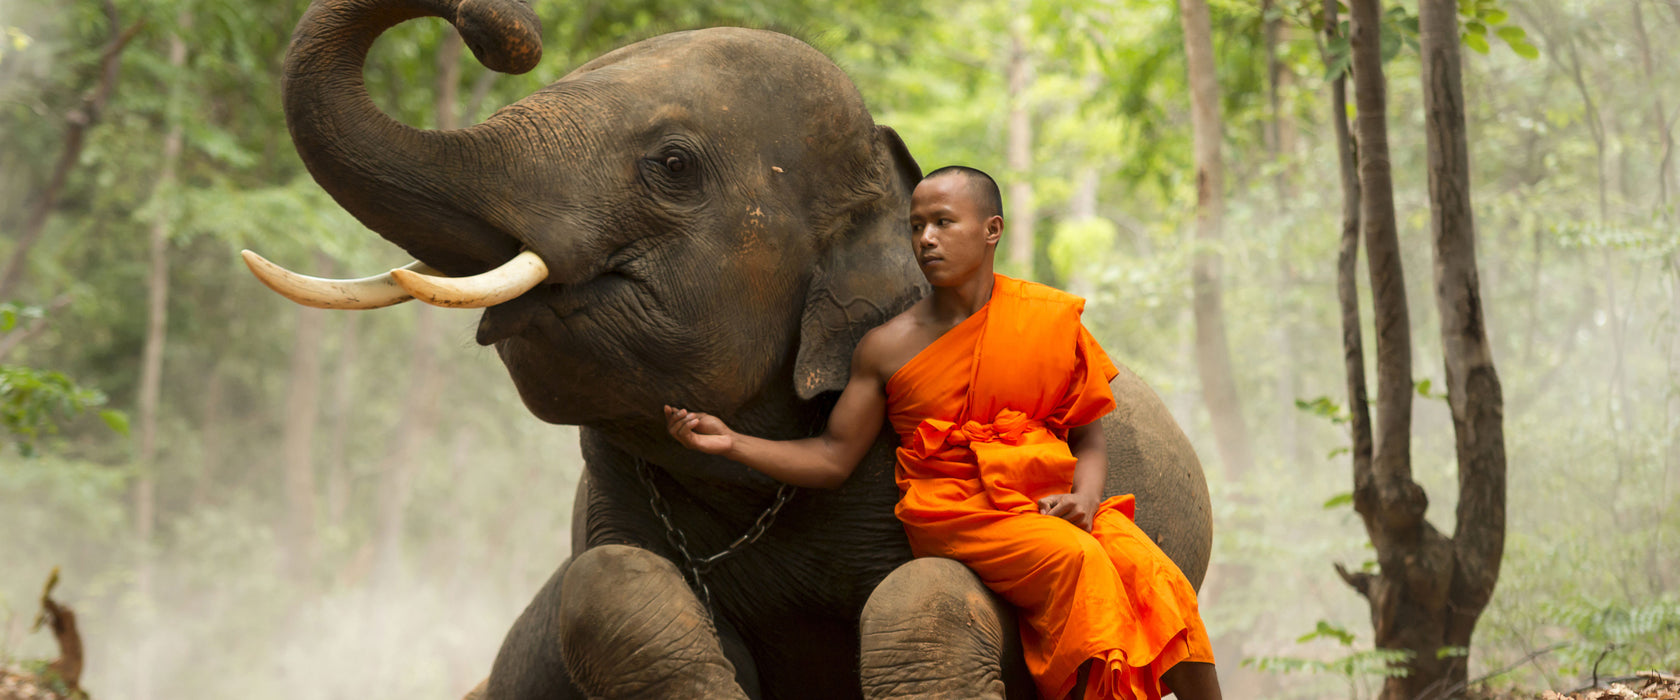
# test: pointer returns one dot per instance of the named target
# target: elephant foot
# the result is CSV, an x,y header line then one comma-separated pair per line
x,y
614,622
631,628
932,630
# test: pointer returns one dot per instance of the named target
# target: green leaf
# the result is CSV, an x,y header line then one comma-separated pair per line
x,y
117,420
1525,49
1495,16
1475,27
8,320
1339,500
1325,629
1476,43
1332,454
1511,33
1448,652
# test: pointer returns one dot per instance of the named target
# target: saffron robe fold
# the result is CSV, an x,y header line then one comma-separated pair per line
x,y
983,415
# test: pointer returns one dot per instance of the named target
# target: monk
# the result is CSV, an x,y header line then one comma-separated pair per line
x,y
995,389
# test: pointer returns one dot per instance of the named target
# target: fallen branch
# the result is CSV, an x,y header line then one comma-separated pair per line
x,y
1461,685
1650,678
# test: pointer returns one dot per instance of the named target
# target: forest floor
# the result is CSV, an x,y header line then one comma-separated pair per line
x,y
1642,686
18,684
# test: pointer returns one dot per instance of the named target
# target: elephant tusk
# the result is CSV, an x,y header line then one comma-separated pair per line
x,y
513,278
366,293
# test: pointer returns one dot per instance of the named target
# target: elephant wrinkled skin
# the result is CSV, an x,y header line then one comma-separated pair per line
x,y
720,220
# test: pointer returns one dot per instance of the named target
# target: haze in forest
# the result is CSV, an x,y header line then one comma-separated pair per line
x,y
258,498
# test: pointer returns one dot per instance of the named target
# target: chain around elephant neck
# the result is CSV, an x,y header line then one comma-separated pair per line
x,y
694,568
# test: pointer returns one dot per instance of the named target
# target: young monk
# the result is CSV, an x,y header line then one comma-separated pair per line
x,y
995,389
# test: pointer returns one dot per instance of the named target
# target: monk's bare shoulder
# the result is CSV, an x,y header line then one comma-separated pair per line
x,y
888,346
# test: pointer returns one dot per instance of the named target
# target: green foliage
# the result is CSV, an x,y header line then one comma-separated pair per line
x,y
1324,407
1618,636
1425,389
1325,630
1358,669
1567,287
1480,18
34,402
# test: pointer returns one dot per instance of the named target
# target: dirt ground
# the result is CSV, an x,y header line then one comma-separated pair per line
x,y
16,684
1642,686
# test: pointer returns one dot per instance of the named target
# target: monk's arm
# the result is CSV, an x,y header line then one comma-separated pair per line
x,y
824,461
1091,471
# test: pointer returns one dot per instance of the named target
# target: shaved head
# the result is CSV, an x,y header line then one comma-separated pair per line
x,y
988,200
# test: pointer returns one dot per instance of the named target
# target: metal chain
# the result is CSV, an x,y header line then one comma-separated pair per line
x,y
695,567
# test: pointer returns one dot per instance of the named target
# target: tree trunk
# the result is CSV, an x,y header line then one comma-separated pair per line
x,y
337,459
212,417
1665,134
1347,261
1019,152
1415,562
1213,356
303,393
396,473
151,356
77,122
1473,389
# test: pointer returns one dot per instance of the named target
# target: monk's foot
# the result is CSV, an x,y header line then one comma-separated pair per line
x,y
1192,680
1081,678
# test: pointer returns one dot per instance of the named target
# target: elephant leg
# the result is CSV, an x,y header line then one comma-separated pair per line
x,y
613,622
932,630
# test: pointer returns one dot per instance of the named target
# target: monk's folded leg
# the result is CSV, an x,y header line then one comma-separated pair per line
x,y
1073,605
1162,595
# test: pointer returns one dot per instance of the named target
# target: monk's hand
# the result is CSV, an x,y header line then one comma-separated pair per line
x,y
702,432
1075,508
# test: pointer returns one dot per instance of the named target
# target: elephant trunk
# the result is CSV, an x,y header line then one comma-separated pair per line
x,y
391,176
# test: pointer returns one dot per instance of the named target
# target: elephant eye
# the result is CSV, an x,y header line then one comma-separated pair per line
x,y
675,164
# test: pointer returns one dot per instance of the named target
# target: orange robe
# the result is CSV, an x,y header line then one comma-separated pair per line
x,y
982,415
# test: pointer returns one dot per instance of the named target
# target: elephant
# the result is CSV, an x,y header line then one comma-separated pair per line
x,y
705,218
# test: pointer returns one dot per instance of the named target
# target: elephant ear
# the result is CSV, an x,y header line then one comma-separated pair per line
x,y
866,276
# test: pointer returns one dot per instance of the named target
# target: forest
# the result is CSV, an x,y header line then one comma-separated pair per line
x,y
248,498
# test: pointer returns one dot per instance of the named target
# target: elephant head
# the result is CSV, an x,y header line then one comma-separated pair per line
x,y
638,228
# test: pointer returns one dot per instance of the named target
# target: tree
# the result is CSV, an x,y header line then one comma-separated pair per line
x,y
1213,354
1019,147
1429,589
76,125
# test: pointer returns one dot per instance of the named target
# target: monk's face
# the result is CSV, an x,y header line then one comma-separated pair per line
x,y
952,236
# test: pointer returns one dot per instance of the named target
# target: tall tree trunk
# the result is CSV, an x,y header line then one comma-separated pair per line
x,y
1019,152
1473,389
337,458
425,380
396,473
1271,27
1347,261
303,394
1213,356
1082,207
212,417
1408,594
151,357
76,124
1665,132
1283,333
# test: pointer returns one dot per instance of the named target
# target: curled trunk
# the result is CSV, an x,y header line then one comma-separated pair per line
x,y
387,174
